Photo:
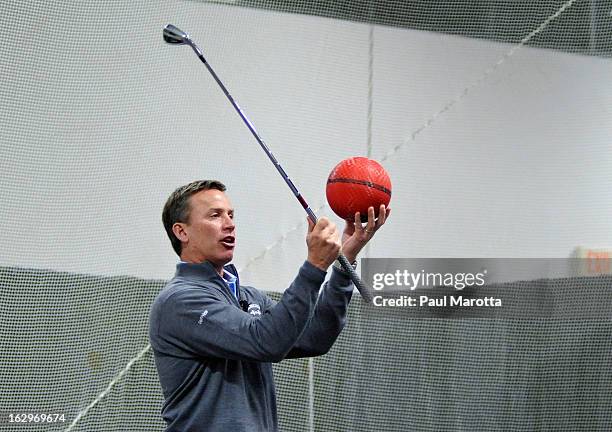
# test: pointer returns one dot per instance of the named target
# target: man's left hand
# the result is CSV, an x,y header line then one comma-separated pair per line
x,y
356,235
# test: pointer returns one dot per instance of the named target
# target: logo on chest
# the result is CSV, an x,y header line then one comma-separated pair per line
x,y
254,309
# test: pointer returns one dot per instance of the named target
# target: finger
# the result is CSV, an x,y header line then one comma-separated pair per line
x,y
349,227
328,235
382,216
357,222
321,226
322,223
328,230
371,221
335,235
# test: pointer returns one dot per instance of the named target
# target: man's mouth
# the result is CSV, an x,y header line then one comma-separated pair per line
x,y
228,241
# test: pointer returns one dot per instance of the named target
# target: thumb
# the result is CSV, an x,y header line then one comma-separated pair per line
x,y
311,224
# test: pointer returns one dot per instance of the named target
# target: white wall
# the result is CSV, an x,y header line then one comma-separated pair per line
x,y
101,120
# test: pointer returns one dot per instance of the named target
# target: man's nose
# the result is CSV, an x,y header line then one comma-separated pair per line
x,y
229,223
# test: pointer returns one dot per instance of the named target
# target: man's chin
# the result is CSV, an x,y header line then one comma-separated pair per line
x,y
223,259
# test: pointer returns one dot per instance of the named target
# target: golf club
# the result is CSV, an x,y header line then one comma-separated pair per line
x,y
175,36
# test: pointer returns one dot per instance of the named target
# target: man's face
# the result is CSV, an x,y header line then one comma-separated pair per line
x,y
210,233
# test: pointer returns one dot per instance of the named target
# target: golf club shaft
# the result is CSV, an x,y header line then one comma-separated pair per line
x,y
263,145
363,289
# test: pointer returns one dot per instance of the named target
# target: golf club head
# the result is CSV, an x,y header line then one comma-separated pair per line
x,y
174,35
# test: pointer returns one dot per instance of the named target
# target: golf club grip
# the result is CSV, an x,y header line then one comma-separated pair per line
x,y
361,287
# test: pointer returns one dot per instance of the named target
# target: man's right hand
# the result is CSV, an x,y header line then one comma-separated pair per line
x,y
323,240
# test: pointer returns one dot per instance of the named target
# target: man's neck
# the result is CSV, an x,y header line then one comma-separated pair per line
x,y
192,260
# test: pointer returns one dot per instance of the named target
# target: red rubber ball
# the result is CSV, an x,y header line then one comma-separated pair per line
x,y
356,184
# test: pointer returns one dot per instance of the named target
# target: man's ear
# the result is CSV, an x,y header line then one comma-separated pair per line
x,y
179,231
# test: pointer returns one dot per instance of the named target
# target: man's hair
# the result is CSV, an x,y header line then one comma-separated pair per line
x,y
177,207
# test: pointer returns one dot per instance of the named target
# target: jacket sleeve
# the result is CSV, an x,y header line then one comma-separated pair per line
x,y
200,322
328,320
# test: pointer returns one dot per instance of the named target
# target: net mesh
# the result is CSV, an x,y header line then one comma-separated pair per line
x,y
387,371
490,116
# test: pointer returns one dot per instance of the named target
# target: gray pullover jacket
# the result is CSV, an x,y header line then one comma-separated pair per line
x,y
213,352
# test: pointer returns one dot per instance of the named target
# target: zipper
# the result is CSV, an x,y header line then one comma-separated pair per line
x,y
219,281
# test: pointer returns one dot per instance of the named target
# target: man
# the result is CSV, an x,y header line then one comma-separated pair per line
x,y
214,340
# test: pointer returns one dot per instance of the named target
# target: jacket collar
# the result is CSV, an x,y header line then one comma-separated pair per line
x,y
203,271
